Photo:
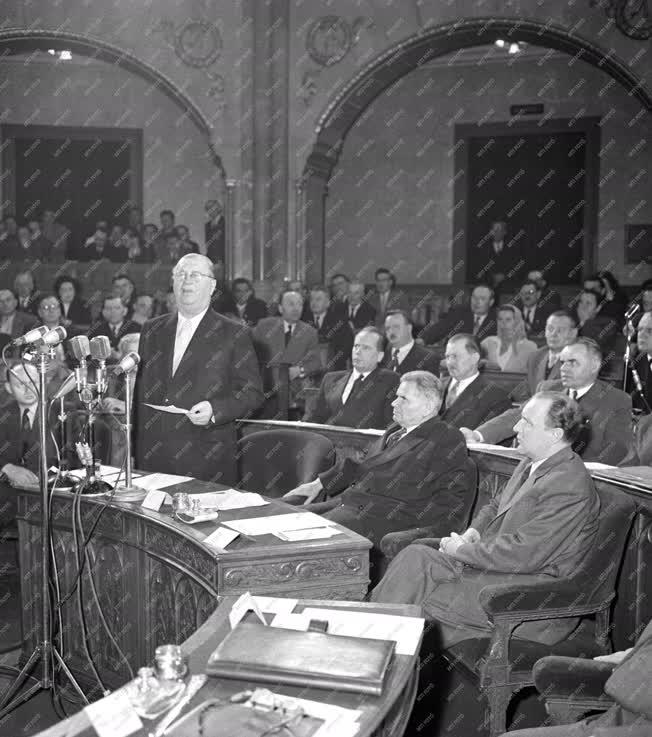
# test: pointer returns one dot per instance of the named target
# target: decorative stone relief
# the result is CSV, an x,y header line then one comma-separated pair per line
x,y
266,573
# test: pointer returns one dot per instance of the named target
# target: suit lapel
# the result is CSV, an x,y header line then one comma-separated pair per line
x,y
338,389
168,337
207,325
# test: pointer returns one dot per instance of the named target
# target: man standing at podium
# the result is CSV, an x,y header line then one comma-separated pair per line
x,y
199,362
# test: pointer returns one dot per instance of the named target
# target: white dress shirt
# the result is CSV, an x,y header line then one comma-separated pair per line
x,y
7,324
186,327
536,465
459,386
351,382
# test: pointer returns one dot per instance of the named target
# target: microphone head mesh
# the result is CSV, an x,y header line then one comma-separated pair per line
x,y
100,348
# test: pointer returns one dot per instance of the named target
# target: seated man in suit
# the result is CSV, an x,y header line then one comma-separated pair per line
x,y
363,396
542,525
115,324
603,329
339,288
607,433
534,312
333,330
286,340
469,398
549,298
361,313
242,303
630,687
386,297
19,438
643,364
479,319
417,474
14,322
403,354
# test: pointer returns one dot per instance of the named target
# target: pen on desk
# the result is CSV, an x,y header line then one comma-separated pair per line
x,y
194,684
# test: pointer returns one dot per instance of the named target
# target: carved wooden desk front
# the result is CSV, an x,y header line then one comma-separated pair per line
x,y
157,582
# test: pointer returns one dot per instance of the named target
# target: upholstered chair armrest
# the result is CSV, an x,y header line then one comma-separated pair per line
x,y
393,542
560,677
546,600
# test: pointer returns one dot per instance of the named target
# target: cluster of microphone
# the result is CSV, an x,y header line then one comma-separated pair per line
x,y
83,351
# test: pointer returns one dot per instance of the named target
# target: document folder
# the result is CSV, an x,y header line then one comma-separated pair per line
x,y
255,652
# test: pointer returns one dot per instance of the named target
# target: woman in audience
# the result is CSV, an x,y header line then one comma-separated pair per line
x,y
614,298
73,309
509,348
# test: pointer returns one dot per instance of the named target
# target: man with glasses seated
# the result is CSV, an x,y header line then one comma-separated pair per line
x,y
203,363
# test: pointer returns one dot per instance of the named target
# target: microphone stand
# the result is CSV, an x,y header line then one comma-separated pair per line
x,y
45,651
63,479
627,358
128,492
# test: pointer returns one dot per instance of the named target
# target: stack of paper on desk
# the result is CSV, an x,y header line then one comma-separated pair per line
x,y
161,480
278,523
229,499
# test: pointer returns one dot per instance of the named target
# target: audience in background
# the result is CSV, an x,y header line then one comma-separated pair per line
x,y
241,303
73,309
509,349
478,319
96,247
123,286
386,296
361,397
593,324
26,291
14,322
403,354
215,232
469,398
361,313
286,341
535,313
642,396
339,287
115,323
333,330
143,309
548,298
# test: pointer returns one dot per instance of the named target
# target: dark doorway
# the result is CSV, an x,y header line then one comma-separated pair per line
x,y
542,184
83,174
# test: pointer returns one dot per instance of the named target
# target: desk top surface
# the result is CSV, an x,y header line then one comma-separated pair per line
x,y
201,644
241,547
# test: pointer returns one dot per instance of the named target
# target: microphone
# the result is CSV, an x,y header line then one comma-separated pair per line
x,y
31,336
66,387
128,363
80,348
100,348
51,337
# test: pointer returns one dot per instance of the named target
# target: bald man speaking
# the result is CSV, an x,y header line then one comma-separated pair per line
x,y
203,363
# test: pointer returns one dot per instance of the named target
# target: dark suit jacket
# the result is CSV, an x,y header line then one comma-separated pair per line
x,y
23,321
536,368
219,366
215,239
32,303
480,401
369,406
103,328
397,300
365,315
541,525
607,436
418,359
78,313
423,479
11,440
537,328
603,329
458,320
336,337
255,309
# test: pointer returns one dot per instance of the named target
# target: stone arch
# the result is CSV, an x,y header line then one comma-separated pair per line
x,y
23,41
348,103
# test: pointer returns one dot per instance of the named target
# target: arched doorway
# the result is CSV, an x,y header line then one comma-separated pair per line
x,y
354,98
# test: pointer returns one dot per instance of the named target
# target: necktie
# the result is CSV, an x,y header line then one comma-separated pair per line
x,y
357,384
25,429
288,335
395,437
352,310
476,324
181,343
572,393
550,364
393,365
528,316
451,394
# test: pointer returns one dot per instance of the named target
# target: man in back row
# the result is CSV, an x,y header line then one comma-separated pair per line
x,y
605,436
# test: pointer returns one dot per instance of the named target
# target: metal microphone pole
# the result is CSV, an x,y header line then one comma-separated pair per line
x,y
128,489
45,652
